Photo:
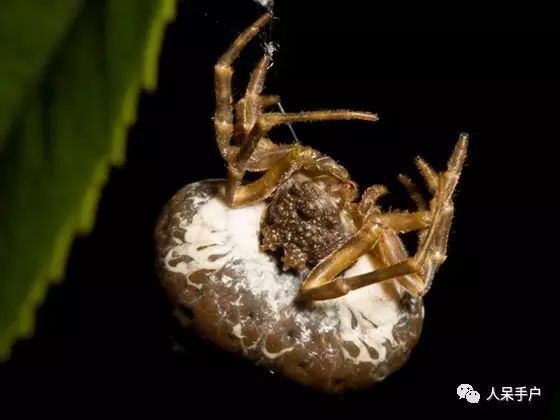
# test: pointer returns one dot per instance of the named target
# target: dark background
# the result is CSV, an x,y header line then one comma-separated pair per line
x,y
105,338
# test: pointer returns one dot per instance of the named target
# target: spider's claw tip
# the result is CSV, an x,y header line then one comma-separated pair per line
x,y
459,154
263,20
404,178
464,139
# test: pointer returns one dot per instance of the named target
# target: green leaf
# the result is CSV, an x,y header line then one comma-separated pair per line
x,y
67,120
25,49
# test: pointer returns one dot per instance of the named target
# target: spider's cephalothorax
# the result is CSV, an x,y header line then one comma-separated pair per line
x,y
312,218
305,221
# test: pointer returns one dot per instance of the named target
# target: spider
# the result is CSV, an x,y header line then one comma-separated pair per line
x,y
313,217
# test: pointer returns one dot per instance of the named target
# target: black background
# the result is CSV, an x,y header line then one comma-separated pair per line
x,y
105,337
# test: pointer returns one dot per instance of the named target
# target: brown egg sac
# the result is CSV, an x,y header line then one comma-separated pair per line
x,y
229,291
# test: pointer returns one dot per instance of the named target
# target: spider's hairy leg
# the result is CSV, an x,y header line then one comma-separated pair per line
x,y
223,116
433,237
252,94
296,159
430,176
403,221
418,271
267,101
367,211
264,102
266,122
370,197
414,192
322,282
432,247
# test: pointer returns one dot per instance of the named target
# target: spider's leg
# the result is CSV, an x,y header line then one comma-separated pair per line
x,y
368,211
266,155
263,124
266,122
264,102
414,192
432,239
252,94
267,101
390,250
370,197
323,283
432,246
295,159
223,116
430,176
286,162
403,221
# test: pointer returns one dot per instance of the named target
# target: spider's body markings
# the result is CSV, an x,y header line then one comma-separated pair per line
x,y
305,221
313,218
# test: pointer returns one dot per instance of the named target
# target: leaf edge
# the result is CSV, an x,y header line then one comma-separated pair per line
x,y
83,222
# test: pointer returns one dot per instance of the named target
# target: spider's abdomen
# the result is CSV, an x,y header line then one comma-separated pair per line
x,y
303,221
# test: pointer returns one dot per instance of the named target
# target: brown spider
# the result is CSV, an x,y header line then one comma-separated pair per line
x,y
312,216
